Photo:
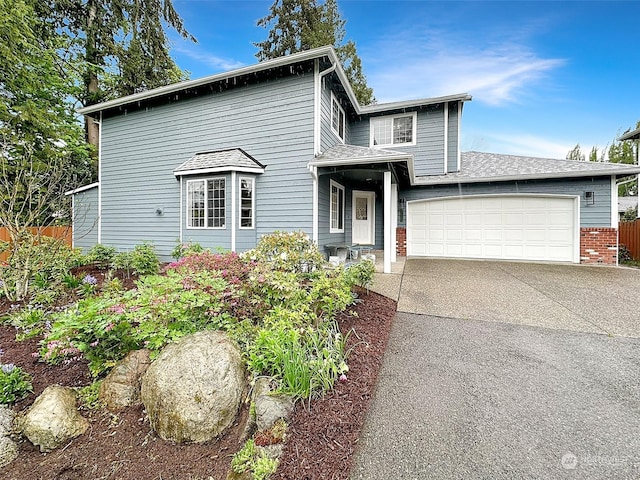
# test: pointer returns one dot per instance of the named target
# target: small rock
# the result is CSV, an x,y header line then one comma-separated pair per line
x,y
6,420
270,407
8,451
121,388
53,419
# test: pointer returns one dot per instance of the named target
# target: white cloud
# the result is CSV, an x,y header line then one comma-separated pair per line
x,y
210,60
439,64
518,144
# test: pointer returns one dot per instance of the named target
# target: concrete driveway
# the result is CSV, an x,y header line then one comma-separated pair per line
x,y
508,370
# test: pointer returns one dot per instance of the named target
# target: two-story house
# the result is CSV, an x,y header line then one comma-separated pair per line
x,y
285,145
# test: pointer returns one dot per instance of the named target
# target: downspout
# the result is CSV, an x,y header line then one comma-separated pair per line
x,y
99,122
445,110
317,146
181,212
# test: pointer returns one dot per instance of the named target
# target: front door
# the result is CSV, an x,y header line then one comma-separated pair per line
x,y
363,218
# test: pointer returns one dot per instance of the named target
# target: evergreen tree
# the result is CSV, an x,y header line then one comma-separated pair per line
x,y
576,154
122,46
298,25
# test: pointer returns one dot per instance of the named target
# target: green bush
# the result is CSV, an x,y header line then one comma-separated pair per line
x,y
144,259
101,255
29,322
123,261
15,383
184,249
288,252
250,459
361,273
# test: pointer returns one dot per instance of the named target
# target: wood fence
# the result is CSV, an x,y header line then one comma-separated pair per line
x,y
629,236
62,233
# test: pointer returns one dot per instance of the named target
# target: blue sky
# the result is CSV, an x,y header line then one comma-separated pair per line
x,y
544,75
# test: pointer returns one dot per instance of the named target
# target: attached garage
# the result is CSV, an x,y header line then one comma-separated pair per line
x,y
508,227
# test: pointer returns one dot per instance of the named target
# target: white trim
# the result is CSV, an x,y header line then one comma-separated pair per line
x,y
316,107
182,199
333,183
253,203
394,222
204,171
371,196
233,211
614,202
206,203
576,217
387,222
99,177
344,119
458,139
82,189
314,207
414,118
445,112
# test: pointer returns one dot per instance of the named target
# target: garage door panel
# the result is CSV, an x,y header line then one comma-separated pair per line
x,y
497,227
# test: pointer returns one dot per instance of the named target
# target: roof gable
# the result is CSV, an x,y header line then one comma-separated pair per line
x,y
234,159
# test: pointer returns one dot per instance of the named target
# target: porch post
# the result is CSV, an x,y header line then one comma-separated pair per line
x,y
387,223
394,221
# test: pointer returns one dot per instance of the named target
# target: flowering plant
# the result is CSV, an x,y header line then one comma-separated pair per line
x,y
15,383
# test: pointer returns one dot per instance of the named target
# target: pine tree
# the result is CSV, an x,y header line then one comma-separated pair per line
x,y
298,25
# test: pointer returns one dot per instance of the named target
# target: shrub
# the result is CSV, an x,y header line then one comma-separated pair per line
x,y
101,255
183,249
29,322
251,459
288,252
15,383
144,259
123,261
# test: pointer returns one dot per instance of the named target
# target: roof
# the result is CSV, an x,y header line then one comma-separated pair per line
x,y
633,135
82,189
312,54
625,203
234,159
491,167
345,155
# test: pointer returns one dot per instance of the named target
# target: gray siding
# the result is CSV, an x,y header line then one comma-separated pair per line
x,y
597,215
85,219
272,121
452,138
428,153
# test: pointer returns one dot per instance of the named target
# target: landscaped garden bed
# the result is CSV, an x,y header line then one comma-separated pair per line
x,y
322,434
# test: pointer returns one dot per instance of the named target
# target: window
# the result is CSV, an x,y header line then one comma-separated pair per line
x,y
337,208
394,130
246,202
337,118
206,203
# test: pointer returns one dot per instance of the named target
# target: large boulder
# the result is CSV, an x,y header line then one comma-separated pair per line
x,y
193,390
121,388
53,419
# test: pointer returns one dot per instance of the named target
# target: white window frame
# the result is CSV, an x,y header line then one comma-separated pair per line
x,y
339,188
252,182
374,120
207,216
341,114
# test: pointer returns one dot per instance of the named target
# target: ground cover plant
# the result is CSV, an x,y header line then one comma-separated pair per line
x,y
285,320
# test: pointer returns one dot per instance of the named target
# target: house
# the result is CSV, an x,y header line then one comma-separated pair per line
x,y
284,145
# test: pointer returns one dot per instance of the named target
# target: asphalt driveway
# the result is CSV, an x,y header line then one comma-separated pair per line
x,y
508,370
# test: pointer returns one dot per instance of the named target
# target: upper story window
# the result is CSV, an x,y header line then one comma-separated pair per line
x,y
336,208
206,203
337,118
393,130
247,202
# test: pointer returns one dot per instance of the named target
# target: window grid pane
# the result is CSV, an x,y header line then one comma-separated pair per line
x,y
337,208
216,203
246,203
382,130
402,130
195,202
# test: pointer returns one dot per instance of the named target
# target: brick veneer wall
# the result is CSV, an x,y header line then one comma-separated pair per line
x,y
599,245
401,241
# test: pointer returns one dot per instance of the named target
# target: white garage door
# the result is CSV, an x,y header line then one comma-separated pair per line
x,y
515,227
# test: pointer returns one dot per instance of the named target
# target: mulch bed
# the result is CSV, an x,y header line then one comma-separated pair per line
x,y
321,439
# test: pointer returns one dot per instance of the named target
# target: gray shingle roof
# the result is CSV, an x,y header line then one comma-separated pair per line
x,y
625,203
492,167
353,153
220,160
633,135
